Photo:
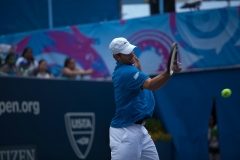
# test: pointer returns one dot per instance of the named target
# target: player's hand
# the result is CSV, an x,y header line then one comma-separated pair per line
x,y
137,63
178,68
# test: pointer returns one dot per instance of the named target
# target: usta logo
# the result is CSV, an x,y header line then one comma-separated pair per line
x,y
81,123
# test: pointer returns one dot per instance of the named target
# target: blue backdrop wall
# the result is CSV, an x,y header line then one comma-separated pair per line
x,y
185,105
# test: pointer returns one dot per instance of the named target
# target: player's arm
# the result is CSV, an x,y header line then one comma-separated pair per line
x,y
160,80
86,72
156,82
67,71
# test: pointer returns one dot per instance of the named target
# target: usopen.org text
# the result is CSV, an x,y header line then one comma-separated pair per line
x,y
17,107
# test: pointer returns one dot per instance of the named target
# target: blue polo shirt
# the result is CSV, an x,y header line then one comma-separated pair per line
x,y
132,102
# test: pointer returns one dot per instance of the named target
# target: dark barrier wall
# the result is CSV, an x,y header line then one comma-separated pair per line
x,y
185,105
27,15
62,119
72,12
21,16
45,118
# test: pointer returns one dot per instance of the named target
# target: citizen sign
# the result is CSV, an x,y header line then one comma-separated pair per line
x,y
80,129
16,152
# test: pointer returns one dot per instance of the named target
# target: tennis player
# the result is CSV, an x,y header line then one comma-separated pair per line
x,y
129,140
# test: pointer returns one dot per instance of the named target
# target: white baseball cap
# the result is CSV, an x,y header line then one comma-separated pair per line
x,y
121,45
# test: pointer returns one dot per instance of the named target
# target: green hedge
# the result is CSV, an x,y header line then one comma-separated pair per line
x,y
156,130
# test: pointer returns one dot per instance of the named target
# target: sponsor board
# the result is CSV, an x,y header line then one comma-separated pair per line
x,y
80,129
20,152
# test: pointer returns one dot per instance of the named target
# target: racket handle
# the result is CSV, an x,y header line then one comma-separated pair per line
x,y
175,65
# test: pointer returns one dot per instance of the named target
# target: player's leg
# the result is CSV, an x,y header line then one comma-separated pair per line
x,y
124,143
149,151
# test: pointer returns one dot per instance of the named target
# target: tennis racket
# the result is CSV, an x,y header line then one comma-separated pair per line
x,y
172,60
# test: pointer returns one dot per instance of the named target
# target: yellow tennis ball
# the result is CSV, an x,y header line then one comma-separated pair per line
x,y
226,92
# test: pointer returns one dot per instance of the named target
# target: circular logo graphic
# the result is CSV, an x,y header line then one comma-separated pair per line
x,y
153,49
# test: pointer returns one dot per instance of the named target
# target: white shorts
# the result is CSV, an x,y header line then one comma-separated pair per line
x,y
132,143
